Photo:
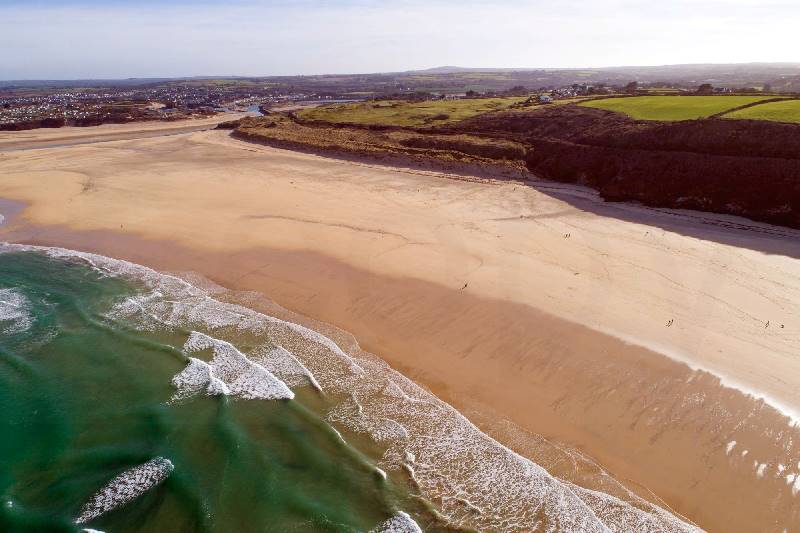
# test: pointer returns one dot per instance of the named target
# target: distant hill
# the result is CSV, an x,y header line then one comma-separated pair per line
x,y
442,70
725,73
779,76
454,79
722,73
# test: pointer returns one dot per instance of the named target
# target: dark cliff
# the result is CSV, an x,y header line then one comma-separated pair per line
x,y
739,167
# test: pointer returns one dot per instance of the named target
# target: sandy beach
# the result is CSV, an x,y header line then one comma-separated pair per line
x,y
70,136
624,333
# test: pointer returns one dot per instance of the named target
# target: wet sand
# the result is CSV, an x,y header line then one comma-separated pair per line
x,y
70,136
508,302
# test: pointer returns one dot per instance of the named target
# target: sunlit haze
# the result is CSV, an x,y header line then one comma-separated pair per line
x,y
92,39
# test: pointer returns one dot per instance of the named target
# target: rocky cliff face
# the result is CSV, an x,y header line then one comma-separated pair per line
x,y
746,168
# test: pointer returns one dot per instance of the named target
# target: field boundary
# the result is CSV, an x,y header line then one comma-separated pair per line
x,y
754,104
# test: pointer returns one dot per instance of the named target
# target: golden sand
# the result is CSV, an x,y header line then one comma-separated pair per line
x,y
539,304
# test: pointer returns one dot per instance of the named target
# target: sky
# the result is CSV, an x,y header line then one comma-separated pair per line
x,y
76,39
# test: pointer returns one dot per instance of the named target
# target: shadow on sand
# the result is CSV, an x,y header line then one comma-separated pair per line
x,y
723,229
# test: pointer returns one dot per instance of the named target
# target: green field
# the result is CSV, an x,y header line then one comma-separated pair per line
x,y
670,108
787,111
400,113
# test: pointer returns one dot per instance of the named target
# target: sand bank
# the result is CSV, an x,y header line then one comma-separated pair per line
x,y
70,136
499,297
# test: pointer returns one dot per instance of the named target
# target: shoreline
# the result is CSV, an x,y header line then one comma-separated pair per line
x,y
483,345
551,426
416,410
199,306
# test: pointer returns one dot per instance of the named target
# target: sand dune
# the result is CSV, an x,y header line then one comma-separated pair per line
x,y
538,304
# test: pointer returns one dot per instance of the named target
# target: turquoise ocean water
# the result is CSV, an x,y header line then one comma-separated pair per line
x,y
95,431
133,400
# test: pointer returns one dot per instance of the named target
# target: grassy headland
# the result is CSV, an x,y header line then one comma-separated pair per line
x,y
357,141
669,108
404,113
687,158
786,111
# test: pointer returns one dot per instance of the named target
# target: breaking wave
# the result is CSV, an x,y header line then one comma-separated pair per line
x,y
15,315
472,480
229,373
125,488
399,523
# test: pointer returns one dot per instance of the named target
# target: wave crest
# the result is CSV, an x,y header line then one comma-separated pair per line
x,y
125,488
15,312
473,480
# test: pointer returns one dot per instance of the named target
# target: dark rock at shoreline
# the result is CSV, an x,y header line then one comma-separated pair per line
x,y
34,124
228,125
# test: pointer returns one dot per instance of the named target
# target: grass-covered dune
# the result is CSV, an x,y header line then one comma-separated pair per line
x,y
672,108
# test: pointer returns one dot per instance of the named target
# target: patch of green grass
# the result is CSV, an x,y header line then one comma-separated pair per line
x,y
668,108
786,111
400,113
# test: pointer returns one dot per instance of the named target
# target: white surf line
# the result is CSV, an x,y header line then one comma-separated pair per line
x,y
726,381
338,434
308,374
145,274
14,308
658,504
125,488
299,366
497,454
399,523
317,337
194,377
240,376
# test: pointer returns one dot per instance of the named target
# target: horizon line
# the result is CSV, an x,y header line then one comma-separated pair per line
x,y
472,69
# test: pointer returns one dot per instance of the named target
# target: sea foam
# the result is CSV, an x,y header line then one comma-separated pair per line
x,y
125,488
15,314
230,372
399,523
474,481
790,412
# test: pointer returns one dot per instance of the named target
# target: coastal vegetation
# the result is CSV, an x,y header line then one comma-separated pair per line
x,y
785,111
407,143
704,164
671,108
404,113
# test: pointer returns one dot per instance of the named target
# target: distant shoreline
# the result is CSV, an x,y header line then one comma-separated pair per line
x,y
71,136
